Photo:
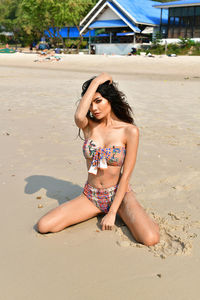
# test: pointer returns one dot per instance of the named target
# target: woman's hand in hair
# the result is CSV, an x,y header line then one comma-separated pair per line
x,y
103,77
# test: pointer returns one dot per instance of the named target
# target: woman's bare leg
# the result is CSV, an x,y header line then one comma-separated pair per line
x,y
69,213
142,227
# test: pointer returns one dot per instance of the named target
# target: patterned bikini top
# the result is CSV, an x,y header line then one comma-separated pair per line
x,y
102,157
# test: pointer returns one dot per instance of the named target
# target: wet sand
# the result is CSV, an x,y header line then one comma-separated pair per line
x,y
42,166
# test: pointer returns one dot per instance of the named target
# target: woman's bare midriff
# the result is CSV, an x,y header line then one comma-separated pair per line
x,y
105,178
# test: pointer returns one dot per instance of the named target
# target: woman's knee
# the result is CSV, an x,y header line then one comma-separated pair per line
x,y
43,226
151,238
46,224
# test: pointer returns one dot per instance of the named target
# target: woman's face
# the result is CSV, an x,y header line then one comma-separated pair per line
x,y
100,107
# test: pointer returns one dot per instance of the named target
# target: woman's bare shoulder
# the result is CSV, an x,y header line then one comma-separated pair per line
x,y
131,131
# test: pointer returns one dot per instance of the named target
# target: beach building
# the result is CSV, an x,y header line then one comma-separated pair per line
x,y
121,24
183,18
67,33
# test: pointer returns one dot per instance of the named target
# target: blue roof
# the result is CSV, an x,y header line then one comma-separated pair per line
x,y
108,23
118,34
102,35
178,3
125,33
73,32
143,11
126,20
132,12
112,24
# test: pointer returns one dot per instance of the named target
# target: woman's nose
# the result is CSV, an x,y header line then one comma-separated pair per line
x,y
93,106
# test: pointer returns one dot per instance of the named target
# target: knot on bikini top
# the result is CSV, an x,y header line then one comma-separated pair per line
x,y
102,157
99,160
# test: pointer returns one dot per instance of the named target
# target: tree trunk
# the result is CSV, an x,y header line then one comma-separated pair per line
x,y
51,37
68,29
80,41
58,34
54,36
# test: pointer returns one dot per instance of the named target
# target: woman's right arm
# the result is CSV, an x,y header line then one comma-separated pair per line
x,y
80,116
84,105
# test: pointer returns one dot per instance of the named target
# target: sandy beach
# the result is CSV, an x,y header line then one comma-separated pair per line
x,y
42,166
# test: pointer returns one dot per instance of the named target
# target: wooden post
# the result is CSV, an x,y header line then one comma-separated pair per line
x,y
186,28
173,26
165,47
161,22
179,26
168,25
89,42
193,22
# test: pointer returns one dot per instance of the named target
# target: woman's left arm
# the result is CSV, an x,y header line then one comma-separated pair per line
x,y
132,134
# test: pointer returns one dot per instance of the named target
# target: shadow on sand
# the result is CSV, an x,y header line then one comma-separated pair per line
x,y
55,188
64,191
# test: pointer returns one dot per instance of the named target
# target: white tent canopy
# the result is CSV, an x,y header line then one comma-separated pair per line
x,y
148,30
6,33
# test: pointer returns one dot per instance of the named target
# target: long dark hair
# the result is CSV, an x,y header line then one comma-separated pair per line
x,y
116,98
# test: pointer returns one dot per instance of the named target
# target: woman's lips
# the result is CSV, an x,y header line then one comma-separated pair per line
x,y
96,114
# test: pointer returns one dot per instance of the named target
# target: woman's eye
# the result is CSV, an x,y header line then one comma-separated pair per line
x,y
98,101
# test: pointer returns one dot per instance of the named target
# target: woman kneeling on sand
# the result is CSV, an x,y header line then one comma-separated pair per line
x,y
110,149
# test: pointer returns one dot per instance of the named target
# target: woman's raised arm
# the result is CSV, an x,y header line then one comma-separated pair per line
x,y
80,116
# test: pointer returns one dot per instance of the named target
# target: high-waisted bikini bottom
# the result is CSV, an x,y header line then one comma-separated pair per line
x,y
102,198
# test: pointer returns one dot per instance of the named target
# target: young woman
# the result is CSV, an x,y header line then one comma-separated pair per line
x,y
110,149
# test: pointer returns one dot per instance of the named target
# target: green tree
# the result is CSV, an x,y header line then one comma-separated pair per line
x,y
8,16
36,16
77,10
29,19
